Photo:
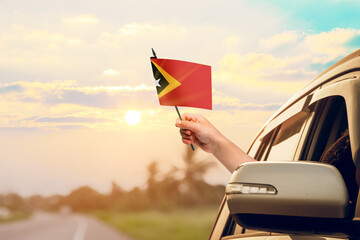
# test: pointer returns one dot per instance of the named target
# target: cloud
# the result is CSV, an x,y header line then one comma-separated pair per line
x,y
225,102
41,128
252,62
231,42
63,52
30,39
282,64
328,46
66,105
248,107
9,88
287,37
36,104
110,72
261,78
70,119
276,67
81,19
289,75
37,53
255,69
135,28
19,129
61,92
103,98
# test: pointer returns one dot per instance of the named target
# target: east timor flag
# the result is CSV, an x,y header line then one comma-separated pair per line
x,y
180,83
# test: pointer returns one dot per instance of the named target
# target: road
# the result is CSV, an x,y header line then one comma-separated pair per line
x,y
45,226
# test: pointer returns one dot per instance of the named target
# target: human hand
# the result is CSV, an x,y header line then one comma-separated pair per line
x,y
198,130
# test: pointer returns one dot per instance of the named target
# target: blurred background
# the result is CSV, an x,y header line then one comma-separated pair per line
x,y
81,129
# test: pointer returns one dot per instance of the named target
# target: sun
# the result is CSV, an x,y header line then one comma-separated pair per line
x,y
132,117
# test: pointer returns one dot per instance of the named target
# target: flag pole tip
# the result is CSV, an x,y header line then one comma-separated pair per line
x,y
153,52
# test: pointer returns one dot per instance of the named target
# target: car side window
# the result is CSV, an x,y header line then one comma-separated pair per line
x,y
286,139
330,120
264,146
254,148
280,143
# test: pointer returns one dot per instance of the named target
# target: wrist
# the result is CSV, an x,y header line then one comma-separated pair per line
x,y
220,141
229,154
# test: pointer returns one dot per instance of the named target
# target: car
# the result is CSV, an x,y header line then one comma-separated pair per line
x,y
289,193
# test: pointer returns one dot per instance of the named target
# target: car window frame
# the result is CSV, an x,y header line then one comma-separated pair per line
x,y
275,124
298,117
308,148
349,89
315,127
275,121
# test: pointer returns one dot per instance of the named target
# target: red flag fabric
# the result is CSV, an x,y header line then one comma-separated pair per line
x,y
181,83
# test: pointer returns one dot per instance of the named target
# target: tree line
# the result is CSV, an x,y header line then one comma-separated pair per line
x,y
178,187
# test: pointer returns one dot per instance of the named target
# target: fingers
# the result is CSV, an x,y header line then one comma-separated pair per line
x,y
190,117
186,141
186,136
192,126
188,126
185,132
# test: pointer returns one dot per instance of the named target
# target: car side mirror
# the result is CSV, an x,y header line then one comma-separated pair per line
x,y
287,196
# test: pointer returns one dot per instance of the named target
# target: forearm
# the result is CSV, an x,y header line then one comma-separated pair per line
x,y
230,155
198,130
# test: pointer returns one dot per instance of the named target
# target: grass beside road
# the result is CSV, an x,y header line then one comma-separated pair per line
x,y
16,216
177,224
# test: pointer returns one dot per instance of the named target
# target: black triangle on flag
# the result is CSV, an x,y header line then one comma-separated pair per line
x,y
160,80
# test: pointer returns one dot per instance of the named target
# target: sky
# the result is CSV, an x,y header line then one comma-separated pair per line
x,y
70,71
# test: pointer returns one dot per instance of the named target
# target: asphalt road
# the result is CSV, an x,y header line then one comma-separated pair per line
x,y
45,226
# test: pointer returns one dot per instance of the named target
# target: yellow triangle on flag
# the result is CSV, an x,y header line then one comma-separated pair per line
x,y
173,83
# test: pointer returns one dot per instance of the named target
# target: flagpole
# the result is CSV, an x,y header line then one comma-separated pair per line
x,y
178,112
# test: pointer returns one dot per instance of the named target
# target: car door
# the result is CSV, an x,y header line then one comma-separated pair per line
x,y
278,140
303,132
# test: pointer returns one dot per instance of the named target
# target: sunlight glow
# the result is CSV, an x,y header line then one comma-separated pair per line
x,y
132,117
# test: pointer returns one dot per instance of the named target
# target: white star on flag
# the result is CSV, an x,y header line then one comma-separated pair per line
x,y
157,82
